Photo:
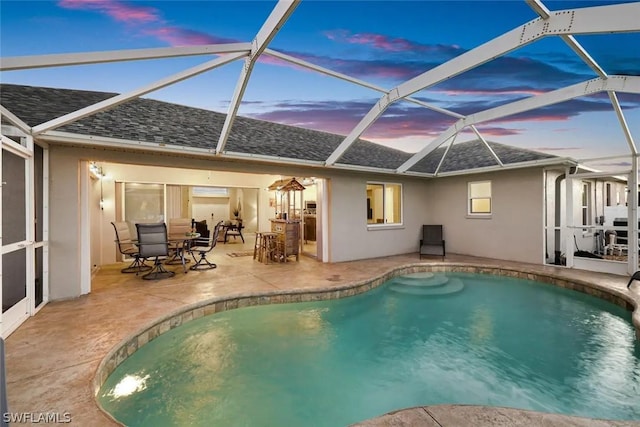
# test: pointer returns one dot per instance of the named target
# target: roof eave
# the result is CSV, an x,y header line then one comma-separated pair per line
x,y
118,143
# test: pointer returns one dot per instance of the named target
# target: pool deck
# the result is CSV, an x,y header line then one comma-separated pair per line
x,y
52,359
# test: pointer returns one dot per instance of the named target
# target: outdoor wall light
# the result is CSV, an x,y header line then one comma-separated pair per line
x,y
95,170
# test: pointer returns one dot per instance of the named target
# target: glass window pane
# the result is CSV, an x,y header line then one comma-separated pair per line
x,y
393,203
480,189
14,278
39,294
481,206
14,221
143,203
375,206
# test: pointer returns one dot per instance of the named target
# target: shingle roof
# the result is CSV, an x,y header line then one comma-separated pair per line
x,y
474,154
165,123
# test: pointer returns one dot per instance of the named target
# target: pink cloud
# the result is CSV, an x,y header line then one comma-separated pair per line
x,y
498,131
492,92
555,148
177,36
154,23
117,10
381,42
390,44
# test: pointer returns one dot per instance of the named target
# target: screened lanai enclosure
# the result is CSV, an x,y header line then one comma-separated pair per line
x,y
108,99
587,220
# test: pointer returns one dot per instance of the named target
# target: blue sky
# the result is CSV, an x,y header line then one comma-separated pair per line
x,y
381,42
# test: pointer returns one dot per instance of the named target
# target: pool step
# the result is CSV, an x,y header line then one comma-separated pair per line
x,y
422,280
452,286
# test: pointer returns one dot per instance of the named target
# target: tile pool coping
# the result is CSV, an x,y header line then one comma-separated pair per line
x,y
129,345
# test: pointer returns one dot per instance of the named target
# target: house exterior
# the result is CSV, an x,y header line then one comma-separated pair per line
x,y
488,207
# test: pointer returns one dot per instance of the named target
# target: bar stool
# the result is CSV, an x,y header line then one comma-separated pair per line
x,y
258,245
268,247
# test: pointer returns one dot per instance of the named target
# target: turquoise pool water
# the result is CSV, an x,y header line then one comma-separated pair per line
x,y
491,341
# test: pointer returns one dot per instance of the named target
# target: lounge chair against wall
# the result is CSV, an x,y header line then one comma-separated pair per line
x,y
127,248
203,247
432,242
153,243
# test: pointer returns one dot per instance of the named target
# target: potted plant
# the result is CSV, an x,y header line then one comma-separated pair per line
x,y
236,213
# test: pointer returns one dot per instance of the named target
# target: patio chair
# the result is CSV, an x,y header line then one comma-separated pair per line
x,y
635,276
234,228
203,247
127,248
153,243
201,228
432,242
178,229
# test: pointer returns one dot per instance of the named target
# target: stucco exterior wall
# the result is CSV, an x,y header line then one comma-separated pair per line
x,y
64,225
351,239
514,231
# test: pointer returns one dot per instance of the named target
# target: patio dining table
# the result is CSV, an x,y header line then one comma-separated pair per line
x,y
182,244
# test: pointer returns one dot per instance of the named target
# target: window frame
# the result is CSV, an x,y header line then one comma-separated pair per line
x,y
385,224
470,199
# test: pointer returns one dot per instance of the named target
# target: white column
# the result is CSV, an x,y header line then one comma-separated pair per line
x,y
85,228
632,224
568,223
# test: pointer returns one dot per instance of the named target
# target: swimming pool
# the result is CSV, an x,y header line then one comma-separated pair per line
x,y
491,340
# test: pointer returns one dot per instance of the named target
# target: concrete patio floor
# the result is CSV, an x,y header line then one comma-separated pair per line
x,y
52,358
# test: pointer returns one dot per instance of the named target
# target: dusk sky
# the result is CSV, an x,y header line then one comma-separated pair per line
x,y
381,42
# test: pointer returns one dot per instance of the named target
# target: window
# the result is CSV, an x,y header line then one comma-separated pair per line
x,y
608,194
210,191
384,203
480,198
143,203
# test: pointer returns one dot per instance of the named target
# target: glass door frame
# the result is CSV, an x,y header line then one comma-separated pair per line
x,y
26,307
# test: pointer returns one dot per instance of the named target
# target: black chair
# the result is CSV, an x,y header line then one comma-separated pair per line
x,y
152,242
233,228
127,248
203,247
201,228
636,276
432,242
